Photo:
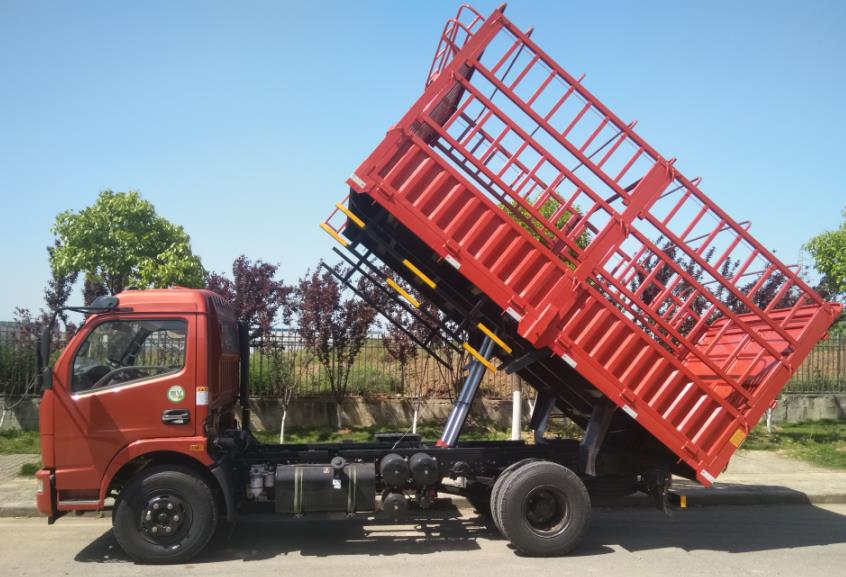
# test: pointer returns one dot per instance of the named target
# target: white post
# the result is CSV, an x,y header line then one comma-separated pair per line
x,y
516,408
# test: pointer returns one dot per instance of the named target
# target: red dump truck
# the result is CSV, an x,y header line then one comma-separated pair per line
x,y
556,244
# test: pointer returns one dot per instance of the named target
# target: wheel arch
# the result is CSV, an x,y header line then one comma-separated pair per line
x,y
135,458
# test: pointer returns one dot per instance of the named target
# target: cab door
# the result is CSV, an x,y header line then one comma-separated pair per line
x,y
131,378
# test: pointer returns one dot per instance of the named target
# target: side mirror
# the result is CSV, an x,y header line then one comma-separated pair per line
x,y
46,378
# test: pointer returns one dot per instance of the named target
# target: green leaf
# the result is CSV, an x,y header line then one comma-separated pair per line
x,y
829,253
121,241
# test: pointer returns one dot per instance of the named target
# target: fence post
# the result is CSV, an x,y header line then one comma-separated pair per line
x,y
516,407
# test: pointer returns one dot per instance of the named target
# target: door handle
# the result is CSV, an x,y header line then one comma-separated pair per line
x,y
176,417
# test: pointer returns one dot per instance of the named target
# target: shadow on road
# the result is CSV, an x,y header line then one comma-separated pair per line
x,y
729,529
442,529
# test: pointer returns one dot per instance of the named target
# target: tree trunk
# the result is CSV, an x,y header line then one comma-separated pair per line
x,y
338,414
402,379
414,418
282,426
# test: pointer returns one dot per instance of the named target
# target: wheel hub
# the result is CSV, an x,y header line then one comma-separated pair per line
x,y
163,517
546,511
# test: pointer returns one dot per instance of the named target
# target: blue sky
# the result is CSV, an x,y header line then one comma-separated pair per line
x,y
241,120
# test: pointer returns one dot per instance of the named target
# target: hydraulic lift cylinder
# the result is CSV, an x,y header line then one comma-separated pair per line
x,y
458,415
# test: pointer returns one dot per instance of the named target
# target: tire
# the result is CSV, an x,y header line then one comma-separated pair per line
x,y
545,509
165,514
480,499
497,491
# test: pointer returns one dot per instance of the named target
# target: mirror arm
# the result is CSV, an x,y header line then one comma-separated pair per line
x,y
45,373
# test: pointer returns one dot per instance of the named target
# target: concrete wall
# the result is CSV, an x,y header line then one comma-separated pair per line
x,y
266,413
23,414
793,408
17,413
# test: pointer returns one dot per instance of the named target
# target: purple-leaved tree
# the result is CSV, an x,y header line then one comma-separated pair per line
x,y
334,326
261,300
256,294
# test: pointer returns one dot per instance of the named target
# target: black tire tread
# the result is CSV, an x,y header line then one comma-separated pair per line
x,y
496,492
123,523
516,526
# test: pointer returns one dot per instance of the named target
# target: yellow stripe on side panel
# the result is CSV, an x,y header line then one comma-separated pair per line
x,y
479,357
350,215
419,273
494,338
403,293
334,234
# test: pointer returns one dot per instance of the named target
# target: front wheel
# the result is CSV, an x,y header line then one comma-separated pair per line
x,y
165,515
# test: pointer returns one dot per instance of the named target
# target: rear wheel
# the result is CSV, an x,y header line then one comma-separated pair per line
x,y
496,492
480,497
544,509
165,515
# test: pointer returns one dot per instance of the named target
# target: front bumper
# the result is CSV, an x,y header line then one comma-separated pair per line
x,y
45,494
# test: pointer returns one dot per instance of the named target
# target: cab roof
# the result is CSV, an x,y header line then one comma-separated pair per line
x,y
174,300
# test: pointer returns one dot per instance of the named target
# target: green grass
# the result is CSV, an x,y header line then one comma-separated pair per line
x,y
18,442
327,434
818,442
29,469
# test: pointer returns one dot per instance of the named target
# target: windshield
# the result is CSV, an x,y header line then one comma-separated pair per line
x,y
117,352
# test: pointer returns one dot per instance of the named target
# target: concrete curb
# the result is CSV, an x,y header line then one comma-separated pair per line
x,y
703,498
738,499
736,496
19,511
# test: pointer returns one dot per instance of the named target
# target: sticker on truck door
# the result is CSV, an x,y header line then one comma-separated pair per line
x,y
202,396
176,394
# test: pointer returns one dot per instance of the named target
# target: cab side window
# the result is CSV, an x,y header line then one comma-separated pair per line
x,y
118,352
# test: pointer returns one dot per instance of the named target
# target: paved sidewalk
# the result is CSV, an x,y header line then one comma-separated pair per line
x,y
753,478
768,468
760,478
10,465
17,493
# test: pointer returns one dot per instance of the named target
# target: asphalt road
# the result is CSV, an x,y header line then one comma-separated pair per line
x,y
715,541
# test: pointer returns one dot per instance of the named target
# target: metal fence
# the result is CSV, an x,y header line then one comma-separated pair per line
x,y
375,372
17,362
824,371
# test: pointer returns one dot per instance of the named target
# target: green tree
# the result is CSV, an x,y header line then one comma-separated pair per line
x,y
120,241
540,230
829,253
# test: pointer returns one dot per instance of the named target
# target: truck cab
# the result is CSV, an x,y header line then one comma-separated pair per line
x,y
148,379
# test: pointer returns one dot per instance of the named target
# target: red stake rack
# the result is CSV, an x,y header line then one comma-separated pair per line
x,y
516,175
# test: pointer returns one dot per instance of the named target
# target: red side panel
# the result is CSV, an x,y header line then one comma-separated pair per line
x,y
558,211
